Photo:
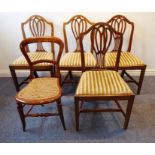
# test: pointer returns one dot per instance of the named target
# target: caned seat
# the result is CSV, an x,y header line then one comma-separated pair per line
x,y
74,60
102,83
71,60
34,26
128,61
41,90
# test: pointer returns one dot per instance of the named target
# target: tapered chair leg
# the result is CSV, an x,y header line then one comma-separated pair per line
x,y
70,75
141,78
14,77
128,111
122,73
21,114
77,114
59,106
36,74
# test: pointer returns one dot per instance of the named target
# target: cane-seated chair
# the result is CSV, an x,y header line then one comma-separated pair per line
x,y
99,83
34,26
42,90
128,61
71,60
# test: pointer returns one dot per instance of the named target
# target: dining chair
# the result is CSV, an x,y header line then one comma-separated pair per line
x,y
71,60
42,90
100,83
34,26
128,60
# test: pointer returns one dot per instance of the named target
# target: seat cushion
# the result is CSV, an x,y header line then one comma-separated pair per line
x,y
73,59
102,83
39,91
127,59
21,61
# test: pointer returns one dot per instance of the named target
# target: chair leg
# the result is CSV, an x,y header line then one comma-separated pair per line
x,y
52,71
128,111
21,114
59,106
70,75
141,78
122,73
14,77
77,114
36,74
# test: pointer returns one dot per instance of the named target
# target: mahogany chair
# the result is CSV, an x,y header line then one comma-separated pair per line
x,y
43,90
71,60
101,84
128,61
34,26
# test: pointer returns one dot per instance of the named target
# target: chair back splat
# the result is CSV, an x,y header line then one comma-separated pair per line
x,y
102,38
78,24
37,26
121,24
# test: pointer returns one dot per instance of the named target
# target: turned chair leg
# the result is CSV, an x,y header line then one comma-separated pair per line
x,y
59,106
77,114
21,114
141,78
14,77
128,111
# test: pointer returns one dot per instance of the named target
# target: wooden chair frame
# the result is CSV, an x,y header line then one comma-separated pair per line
x,y
20,103
101,51
37,25
120,23
78,24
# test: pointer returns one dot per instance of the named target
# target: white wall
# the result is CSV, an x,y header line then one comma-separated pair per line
x,y
10,34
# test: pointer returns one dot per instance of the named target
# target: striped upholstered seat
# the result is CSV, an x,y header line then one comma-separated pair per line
x,y
127,59
74,60
102,83
33,56
40,90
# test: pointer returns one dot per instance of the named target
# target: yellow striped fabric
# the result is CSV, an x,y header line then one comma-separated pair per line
x,y
102,83
127,59
73,59
40,89
21,61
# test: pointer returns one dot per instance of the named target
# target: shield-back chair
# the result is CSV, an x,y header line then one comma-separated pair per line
x,y
128,61
71,60
100,83
34,26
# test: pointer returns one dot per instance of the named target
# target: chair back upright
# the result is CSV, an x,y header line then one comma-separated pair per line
x,y
121,24
77,24
55,62
102,40
38,26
